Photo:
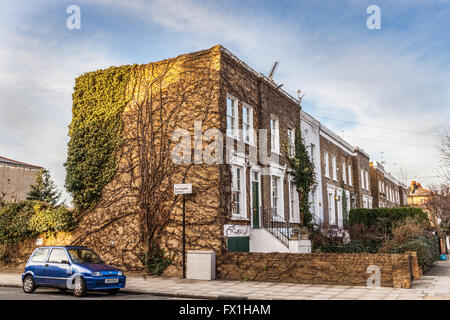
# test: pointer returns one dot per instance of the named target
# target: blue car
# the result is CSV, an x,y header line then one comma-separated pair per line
x,y
76,268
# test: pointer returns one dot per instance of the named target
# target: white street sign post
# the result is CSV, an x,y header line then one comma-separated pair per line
x,y
184,189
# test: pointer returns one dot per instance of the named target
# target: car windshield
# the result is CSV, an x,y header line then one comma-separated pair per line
x,y
84,256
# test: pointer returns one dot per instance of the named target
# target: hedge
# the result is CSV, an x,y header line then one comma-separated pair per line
x,y
27,219
427,250
385,217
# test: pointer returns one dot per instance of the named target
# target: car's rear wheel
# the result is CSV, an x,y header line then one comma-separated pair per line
x,y
28,284
80,287
113,292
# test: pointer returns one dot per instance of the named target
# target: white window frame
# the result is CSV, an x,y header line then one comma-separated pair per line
x,y
250,124
312,150
331,193
363,180
280,195
340,210
326,161
334,167
312,200
243,192
294,208
367,180
275,135
235,133
350,183
291,141
344,174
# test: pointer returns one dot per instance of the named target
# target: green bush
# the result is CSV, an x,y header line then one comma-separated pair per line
x,y
51,220
427,250
155,260
355,246
27,219
385,218
14,219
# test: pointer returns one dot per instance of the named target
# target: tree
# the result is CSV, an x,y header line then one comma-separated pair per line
x,y
44,189
438,207
444,149
303,175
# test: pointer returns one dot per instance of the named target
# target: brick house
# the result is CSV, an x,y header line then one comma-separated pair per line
x,y
245,204
386,189
362,181
337,176
16,177
403,195
311,136
344,171
259,192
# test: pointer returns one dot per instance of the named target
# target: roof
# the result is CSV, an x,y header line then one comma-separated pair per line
x,y
420,192
18,163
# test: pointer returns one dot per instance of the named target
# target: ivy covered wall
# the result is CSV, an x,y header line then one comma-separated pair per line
x,y
95,132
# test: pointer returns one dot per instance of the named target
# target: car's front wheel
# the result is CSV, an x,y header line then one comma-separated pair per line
x,y
80,287
28,284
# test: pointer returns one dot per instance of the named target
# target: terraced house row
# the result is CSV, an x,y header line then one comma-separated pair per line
x,y
247,203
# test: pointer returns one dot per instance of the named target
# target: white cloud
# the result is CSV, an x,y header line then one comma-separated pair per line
x,y
381,80
36,84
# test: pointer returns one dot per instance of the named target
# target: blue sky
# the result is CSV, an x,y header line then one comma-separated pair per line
x,y
397,77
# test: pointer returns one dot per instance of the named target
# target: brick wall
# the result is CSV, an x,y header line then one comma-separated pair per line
x,y
341,156
316,268
361,161
120,241
248,88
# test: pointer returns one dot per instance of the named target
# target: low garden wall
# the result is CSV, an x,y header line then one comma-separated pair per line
x,y
397,270
14,256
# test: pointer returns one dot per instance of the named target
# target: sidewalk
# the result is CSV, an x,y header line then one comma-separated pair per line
x,y
219,289
435,284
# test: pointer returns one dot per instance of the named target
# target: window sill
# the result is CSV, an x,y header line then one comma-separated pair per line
x,y
241,218
232,137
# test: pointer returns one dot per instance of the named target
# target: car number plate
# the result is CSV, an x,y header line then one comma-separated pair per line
x,y
113,280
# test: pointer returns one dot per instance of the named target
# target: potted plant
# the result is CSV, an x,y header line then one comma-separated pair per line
x,y
304,233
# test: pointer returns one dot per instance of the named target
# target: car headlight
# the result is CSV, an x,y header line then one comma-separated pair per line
x,y
97,274
120,273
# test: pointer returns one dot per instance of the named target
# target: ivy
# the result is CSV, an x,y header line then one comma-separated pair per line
x,y
99,99
155,260
303,175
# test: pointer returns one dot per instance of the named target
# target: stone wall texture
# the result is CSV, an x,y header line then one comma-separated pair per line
x,y
317,268
114,228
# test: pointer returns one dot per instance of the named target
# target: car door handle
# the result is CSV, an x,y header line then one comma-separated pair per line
x,y
46,265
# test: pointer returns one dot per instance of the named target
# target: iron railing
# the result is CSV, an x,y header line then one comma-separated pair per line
x,y
276,225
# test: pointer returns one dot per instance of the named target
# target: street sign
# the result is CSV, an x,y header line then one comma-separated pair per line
x,y
182,188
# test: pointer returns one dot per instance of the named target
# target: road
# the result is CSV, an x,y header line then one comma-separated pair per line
x,y
7,293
